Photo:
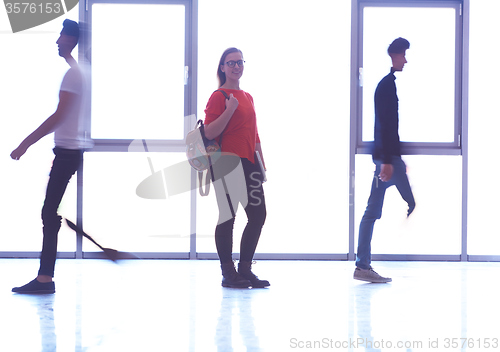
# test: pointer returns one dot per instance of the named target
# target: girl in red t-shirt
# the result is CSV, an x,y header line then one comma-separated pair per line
x,y
233,124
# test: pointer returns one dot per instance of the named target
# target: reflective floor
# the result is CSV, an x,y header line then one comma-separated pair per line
x,y
179,305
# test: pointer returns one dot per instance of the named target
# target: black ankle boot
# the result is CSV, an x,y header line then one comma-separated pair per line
x,y
245,270
230,278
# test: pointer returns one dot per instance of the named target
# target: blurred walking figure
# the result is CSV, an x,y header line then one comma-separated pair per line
x,y
233,123
389,167
70,137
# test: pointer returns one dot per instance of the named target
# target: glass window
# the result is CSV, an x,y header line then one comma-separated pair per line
x,y
484,190
426,87
138,71
434,227
298,76
31,80
117,217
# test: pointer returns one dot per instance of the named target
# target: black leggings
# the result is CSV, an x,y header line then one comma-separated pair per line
x,y
255,207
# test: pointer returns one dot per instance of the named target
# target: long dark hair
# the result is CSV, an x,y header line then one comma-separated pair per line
x,y
221,76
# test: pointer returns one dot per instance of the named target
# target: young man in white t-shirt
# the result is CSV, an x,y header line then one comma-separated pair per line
x,y
70,137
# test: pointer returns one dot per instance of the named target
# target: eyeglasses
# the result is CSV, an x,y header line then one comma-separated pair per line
x,y
233,63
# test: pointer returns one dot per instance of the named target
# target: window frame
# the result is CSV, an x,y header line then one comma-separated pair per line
x,y
165,145
460,144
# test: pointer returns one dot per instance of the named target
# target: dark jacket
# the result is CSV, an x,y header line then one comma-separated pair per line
x,y
386,142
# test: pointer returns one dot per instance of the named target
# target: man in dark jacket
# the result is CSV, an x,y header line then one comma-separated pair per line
x,y
390,168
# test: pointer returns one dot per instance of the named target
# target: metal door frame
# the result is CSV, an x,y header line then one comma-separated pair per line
x,y
190,108
458,147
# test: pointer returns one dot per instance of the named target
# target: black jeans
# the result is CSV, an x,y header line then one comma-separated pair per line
x,y
66,163
246,188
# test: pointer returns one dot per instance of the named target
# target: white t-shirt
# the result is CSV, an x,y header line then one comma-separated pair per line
x,y
74,130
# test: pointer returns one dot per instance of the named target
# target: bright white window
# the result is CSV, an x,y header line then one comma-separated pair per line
x,y
31,78
297,70
138,71
426,87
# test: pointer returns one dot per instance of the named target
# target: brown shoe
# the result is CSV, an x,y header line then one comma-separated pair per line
x,y
370,275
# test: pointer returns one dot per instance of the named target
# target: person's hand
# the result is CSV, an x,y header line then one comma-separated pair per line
x,y
386,172
18,153
231,103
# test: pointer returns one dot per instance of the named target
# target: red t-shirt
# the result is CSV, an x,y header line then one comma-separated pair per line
x,y
240,135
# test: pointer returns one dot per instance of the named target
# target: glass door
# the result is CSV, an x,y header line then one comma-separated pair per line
x,y
142,68
430,125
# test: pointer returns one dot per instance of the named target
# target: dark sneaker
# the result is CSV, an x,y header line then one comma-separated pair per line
x,y
36,287
370,275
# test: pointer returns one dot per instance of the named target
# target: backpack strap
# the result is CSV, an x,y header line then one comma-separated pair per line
x,y
210,175
222,178
205,192
227,97
224,93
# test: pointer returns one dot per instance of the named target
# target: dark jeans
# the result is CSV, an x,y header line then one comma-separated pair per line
x,y
66,163
243,187
374,208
